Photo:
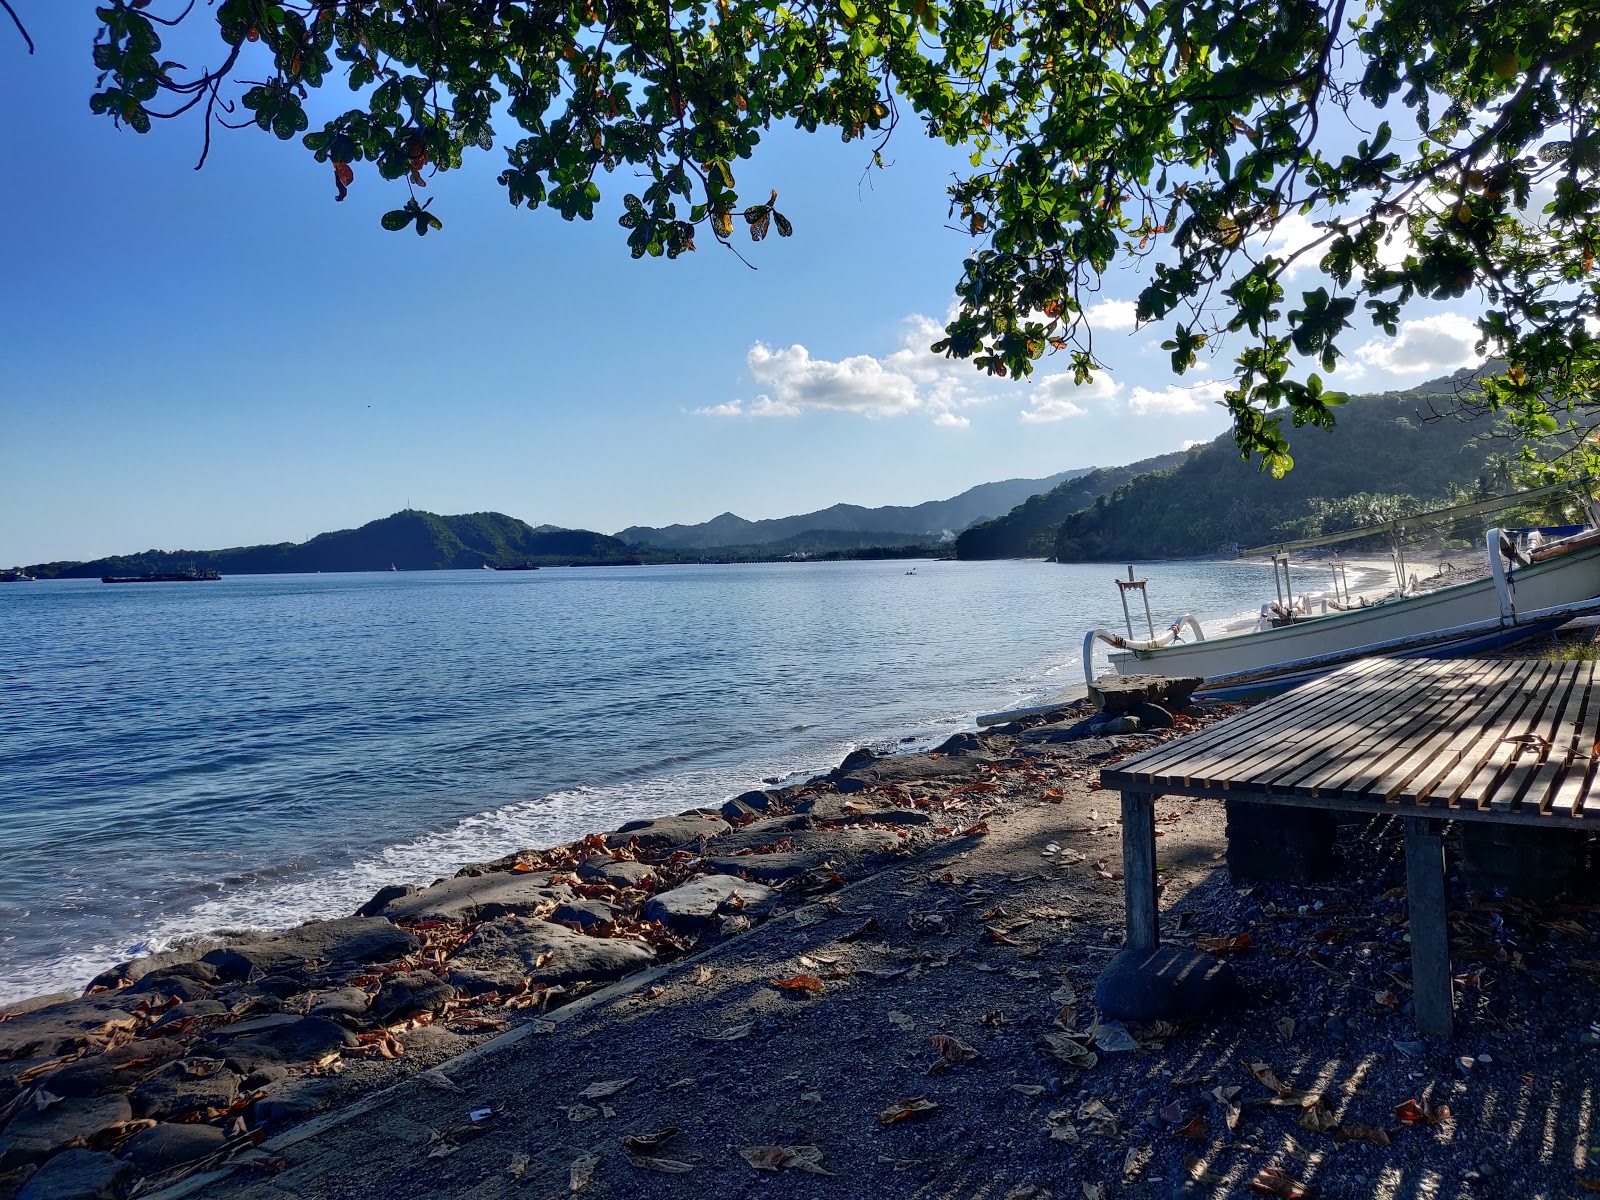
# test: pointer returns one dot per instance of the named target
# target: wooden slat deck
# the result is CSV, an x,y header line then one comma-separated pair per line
x,y
1428,740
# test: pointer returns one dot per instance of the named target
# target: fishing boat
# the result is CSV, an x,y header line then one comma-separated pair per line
x,y
1536,580
189,576
17,576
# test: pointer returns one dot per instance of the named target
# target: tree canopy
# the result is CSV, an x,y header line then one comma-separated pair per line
x,y
1434,149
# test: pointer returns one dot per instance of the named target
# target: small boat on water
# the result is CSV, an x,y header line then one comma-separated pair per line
x,y
189,576
1535,581
520,567
17,576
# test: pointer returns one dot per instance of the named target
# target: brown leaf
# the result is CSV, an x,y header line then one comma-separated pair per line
x,y
1318,1118
1195,1128
953,1049
998,938
901,1109
606,1088
669,1166
809,984
582,1171
1414,1112
734,1033
1273,1181
1362,1133
765,1158
649,1143
1102,1122
1265,1077
1222,947
1589,1185
343,177
870,925
1071,1051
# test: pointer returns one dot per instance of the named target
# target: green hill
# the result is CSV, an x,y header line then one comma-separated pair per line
x,y
410,540
1028,530
1382,455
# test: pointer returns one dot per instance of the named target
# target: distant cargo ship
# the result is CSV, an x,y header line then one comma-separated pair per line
x,y
164,577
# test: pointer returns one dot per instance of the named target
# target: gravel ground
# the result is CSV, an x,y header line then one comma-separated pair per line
x,y
1314,1085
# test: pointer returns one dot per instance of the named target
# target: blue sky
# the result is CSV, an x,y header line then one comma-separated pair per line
x,y
199,359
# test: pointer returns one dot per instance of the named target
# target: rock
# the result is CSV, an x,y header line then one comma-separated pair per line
x,y
347,939
114,1069
54,1030
481,897
1170,983
836,810
909,768
190,1008
1057,732
505,951
33,1136
756,801
1122,693
347,1002
294,1100
619,872
165,1145
664,833
186,981
409,995
185,1087
180,962
1277,843
961,745
845,848
768,868
263,1075
78,1175
694,906
301,1040
584,913
384,896
1152,716
736,812
1126,723
855,760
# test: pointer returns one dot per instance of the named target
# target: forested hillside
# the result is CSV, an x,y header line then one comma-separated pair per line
x,y
1380,456
1028,530
410,541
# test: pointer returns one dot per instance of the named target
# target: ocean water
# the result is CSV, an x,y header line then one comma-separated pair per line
x,y
177,759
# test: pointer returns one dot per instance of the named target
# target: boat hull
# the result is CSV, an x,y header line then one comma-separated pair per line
x,y
1566,580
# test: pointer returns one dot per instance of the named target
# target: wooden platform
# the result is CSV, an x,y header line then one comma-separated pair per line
x,y
1424,739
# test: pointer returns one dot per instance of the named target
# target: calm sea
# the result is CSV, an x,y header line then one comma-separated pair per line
x,y
177,759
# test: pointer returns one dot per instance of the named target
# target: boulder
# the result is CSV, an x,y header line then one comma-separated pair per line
x,y
664,833
164,1146
619,872
182,962
33,1136
346,1003
909,768
508,950
384,896
411,994
186,1087
836,810
347,939
759,801
190,1008
584,913
293,1100
78,1175
1170,983
1152,716
55,1030
481,897
737,812
768,868
1122,693
847,848
962,745
694,906
115,1069
299,1040
855,760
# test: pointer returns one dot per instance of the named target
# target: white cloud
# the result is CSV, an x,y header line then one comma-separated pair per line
x,y
949,420
1112,316
857,384
1441,342
1176,399
1057,397
1293,232
762,406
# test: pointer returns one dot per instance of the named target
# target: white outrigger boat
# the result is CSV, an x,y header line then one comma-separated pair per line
x,y
1537,580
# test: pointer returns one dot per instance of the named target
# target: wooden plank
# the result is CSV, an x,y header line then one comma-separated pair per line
x,y
1483,788
1451,699
1348,706
1291,736
1501,692
1575,787
1525,692
1538,788
1433,755
1346,742
1430,936
1139,869
1245,723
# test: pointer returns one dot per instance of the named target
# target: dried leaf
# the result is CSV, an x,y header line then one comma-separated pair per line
x,y
1093,1191
607,1088
1102,1122
808,984
953,1049
580,1112
1265,1077
1285,1027
519,1166
582,1171
649,1143
1273,1181
1195,1128
902,1021
765,1158
668,1166
1070,1051
734,1033
1065,1132
901,1109
701,975
1222,947
1362,1133
869,926
1111,1036
1318,1118
1414,1112
1199,1172
1029,1089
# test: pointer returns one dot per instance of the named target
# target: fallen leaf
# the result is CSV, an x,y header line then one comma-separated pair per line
x,y
1273,1181
1199,1172
1064,995
1094,1191
901,1109
1029,1089
953,1049
1362,1133
1071,1051
1264,1076
582,1171
734,1033
902,1021
1285,1027
775,1158
1589,1185
649,1143
668,1166
870,925
809,984
1318,1118
1414,1112
1194,1128
1065,1131
519,1166
1101,1120
1111,1036
580,1112
606,1088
